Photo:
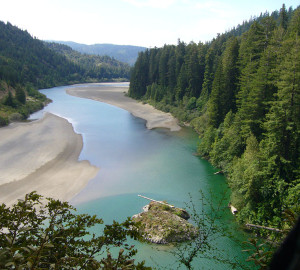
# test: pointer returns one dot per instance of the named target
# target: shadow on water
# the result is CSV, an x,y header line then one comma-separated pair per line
x,y
133,160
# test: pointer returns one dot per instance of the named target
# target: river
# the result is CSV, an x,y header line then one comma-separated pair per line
x,y
134,160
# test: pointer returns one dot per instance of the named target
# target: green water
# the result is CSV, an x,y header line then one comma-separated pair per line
x,y
133,160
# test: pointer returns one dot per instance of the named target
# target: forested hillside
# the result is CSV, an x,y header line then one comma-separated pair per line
x,y
241,93
123,53
26,65
95,66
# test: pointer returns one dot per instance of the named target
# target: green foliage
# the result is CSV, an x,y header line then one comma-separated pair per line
x,y
3,121
283,17
245,179
19,106
38,233
228,145
206,215
8,100
95,67
261,254
20,95
27,64
15,117
32,92
192,103
140,76
207,141
241,93
26,60
123,53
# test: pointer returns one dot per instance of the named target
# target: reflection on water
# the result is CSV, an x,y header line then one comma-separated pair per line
x,y
133,160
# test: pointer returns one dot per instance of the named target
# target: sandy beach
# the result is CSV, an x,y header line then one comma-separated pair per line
x,y
115,96
42,156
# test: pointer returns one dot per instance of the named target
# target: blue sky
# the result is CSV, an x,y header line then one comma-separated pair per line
x,y
146,23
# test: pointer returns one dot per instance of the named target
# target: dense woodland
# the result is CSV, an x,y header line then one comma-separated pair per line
x,y
27,64
97,68
241,93
124,53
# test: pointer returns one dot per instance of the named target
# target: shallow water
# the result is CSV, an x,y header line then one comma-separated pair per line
x,y
133,160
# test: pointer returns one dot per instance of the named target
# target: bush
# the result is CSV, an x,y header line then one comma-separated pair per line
x,y
3,121
15,117
39,233
191,103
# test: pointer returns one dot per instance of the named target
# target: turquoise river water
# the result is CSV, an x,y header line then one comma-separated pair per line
x,y
134,160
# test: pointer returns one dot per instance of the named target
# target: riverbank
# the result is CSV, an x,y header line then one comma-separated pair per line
x,y
42,156
115,95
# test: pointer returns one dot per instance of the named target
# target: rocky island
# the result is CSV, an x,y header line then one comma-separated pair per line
x,y
162,223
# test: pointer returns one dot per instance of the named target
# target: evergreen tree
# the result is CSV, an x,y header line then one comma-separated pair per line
x,y
20,95
172,80
245,179
242,95
214,105
283,123
153,65
180,53
208,78
252,46
283,15
139,76
182,83
230,75
294,25
261,88
211,63
222,98
8,101
229,145
193,71
163,66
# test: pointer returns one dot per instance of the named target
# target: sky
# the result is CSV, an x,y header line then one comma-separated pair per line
x,y
147,23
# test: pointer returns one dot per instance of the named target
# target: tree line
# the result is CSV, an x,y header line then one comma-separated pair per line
x,y
28,64
24,59
96,67
241,93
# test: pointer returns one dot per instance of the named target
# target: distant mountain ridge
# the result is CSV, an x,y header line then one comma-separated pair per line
x,y
95,65
123,53
28,64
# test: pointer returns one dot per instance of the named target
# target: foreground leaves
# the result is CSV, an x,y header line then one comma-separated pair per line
x,y
38,233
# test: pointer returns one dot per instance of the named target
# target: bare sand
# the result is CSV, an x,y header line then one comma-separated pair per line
x,y
115,95
42,156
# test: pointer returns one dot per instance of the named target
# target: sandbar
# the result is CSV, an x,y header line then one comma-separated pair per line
x,y
42,156
115,95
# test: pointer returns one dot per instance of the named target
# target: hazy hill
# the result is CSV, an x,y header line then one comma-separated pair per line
x,y
95,65
123,53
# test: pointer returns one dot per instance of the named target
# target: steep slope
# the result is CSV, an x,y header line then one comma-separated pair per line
x,y
26,65
242,94
24,59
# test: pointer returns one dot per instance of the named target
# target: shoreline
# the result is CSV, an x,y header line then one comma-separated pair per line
x,y
116,96
42,156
